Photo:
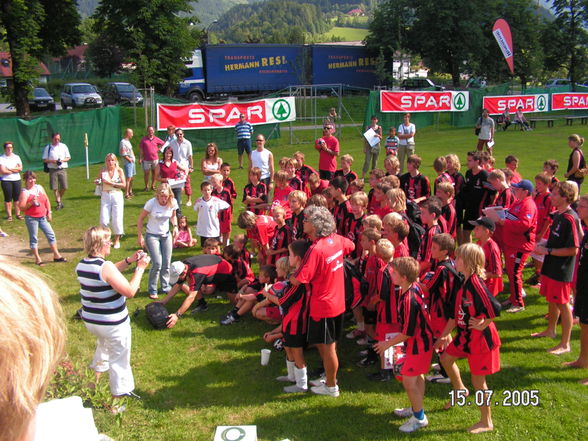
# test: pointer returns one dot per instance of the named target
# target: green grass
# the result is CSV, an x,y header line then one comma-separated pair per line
x,y
347,34
200,375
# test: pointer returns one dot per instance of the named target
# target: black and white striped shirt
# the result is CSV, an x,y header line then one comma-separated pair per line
x,y
101,304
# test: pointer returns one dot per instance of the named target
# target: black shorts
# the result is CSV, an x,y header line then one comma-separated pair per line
x,y
581,305
369,317
469,215
225,282
294,340
324,330
326,175
11,190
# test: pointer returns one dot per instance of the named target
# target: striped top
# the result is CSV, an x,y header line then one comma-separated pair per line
x,y
244,130
101,304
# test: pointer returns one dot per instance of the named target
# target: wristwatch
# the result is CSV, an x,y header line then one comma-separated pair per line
x,y
549,250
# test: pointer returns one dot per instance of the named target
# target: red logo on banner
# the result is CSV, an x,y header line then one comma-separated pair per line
x,y
450,101
569,101
530,103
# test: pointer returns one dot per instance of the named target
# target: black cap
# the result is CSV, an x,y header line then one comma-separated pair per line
x,y
485,221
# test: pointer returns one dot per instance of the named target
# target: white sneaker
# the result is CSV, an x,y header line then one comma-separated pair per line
x,y
319,381
323,389
436,367
116,246
188,203
405,412
286,379
413,424
294,389
438,378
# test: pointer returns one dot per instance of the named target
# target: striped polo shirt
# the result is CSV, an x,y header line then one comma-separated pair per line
x,y
101,304
244,130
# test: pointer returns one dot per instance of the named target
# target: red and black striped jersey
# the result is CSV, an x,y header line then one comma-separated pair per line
x,y
295,223
388,294
349,177
565,233
424,254
544,209
354,229
294,303
342,213
443,177
255,191
415,187
441,286
304,173
224,195
372,266
448,213
493,265
296,183
415,322
204,267
245,255
229,185
281,199
281,239
473,300
373,204
243,271
505,198
458,182
264,229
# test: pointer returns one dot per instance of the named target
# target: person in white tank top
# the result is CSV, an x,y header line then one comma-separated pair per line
x,y
263,159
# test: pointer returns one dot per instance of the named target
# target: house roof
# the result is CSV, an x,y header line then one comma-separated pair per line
x,y
6,66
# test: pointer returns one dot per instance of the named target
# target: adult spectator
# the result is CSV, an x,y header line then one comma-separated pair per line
x,y
56,156
518,234
148,156
557,271
160,210
104,290
485,126
322,269
167,171
263,159
192,275
406,132
10,168
112,203
520,119
125,150
328,147
169,138
211,163
477,194
371,152
183,154
576,162
244,130
34,202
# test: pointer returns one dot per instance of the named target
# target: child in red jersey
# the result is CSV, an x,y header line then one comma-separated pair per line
x,y
396,230
415,333
242,271
297,200
228,185
281,238
430,212
294,304
484,228
550,168
211,246
438,288
265,310
358,202
542,199
225,217
346,172
260,229
282,191
415,185
445,192
387,324
369,265
255,193
303,171
380,192
240,244
512,163
502,201
472,311
342,212
453,167
440,167
295,182
375,176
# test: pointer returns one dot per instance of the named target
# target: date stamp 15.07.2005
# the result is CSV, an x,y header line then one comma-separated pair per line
x,y
505,398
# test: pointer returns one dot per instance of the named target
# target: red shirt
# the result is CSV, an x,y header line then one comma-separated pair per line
x,y
354,228
342,213
204,267
493,266
243,271
415,187
255,191
229,185
414,322
388,294
322,269
264,229
328,162
150,148
520,225
225,195
402,250
281,198
516,177
441,287
296,183
373,264
304,173
281,239
443,177
294,304
449,215
323,184
544,208
424,254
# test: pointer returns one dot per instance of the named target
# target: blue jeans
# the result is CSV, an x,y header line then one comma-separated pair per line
x,y
160,250
33,224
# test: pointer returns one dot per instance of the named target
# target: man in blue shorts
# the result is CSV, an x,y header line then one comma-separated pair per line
x,y
244,131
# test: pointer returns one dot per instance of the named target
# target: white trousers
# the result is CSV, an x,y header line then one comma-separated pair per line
x,y
112,206
113,355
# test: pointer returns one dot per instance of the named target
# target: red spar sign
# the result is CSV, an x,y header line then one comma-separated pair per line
x,y
569,101
450,101
530,103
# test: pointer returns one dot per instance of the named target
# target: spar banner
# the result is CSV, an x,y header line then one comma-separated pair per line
x,y
569,101
220,116
501,32
530,103
404,101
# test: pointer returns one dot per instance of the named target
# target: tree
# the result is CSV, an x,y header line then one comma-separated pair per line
x,y
34,28
155,35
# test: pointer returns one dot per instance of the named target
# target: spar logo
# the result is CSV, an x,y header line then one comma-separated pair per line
x,y
281,110
541,103
459,101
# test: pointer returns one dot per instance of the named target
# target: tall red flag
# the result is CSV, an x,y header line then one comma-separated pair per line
x,y
501,32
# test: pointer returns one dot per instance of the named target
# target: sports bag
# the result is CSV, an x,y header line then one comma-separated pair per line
x,y
157,315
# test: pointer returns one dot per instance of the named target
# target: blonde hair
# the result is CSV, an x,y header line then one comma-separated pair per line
x,y
318,200
396,200
473,259
164,188
407,267
247,220
391,181
385,249
300,196
347,158
497,174
393,161
372,221
283,265
446,187
217,177
278,209
372,234
577,139
359,198
454,159
281,176
32,341
95,238
111,155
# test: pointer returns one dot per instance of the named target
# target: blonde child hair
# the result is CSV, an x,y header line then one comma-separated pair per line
x,y
372,221
359,198
446,187
300,196
396,200
385,250
472,256
454,159
347,158
407,267
283,266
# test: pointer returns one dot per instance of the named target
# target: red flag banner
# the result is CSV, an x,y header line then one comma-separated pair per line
x,y
501,32
530,103
569,101
403,101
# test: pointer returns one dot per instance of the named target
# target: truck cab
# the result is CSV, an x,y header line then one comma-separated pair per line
x,y
193,86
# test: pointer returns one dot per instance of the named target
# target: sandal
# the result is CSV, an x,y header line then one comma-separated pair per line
x,y
153,296
9,218
19,217
41,263
60,259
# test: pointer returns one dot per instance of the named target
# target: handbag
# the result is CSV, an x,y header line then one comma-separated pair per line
x,y
581,173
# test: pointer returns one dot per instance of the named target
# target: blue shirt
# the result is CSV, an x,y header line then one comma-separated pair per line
x,y
244,130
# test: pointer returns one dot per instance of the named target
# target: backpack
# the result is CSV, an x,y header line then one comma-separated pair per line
x,y
157,315
415,237
356,287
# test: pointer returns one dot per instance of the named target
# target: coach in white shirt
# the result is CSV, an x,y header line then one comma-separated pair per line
x,y
182,149
406,132
56,156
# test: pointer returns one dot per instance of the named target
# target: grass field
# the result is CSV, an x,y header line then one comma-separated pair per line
x,y
200,375
347,34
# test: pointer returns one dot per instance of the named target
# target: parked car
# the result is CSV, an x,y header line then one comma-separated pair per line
x,y
121,93
557,82
420,84
41,100
80,95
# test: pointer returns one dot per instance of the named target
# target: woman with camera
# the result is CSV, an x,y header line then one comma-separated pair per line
x,y
34,202
112,203
104,290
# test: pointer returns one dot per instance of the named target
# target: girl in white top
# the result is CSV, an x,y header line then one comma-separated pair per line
x,y
10,168
112,202
160,210
211,163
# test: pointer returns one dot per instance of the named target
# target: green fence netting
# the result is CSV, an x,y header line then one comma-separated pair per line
x,y
386,120
30,137
225,139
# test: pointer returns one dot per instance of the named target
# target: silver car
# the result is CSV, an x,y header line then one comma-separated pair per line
x,y
80,95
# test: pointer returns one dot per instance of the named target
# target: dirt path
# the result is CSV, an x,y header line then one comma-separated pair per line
x,y
13,247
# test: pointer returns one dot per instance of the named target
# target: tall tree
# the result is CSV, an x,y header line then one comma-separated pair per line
x,y
155,35
34,28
